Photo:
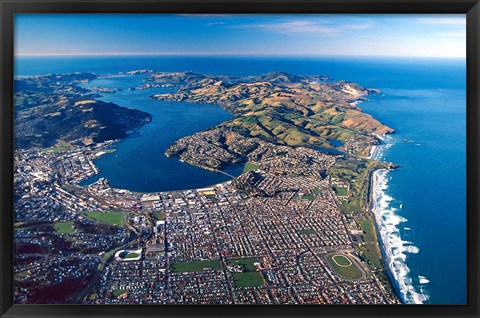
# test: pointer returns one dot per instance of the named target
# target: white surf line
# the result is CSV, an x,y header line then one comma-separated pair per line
x,y
395,248
388,223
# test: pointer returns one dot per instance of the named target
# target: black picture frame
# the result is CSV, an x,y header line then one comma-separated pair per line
x,y
10,7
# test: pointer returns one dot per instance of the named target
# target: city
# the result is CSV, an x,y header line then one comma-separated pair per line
x,y
274,235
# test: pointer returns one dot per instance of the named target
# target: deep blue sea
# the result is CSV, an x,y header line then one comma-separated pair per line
x,y
421,206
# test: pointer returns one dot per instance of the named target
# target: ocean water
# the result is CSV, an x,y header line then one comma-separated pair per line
x,y
421,206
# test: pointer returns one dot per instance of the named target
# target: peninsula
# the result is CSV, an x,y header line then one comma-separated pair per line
x,y
280,108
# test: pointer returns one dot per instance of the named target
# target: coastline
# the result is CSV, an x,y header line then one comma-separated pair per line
x,y
372,198
393,247
372,209
373,150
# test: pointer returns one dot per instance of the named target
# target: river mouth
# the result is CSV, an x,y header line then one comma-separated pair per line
x,y
139,163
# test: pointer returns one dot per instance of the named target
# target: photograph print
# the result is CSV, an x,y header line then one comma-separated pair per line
x,y
240,159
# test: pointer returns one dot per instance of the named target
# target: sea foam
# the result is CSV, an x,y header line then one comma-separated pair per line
x,y
396,249
423,280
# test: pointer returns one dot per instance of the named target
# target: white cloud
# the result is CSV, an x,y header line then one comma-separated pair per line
x,y
443,21
296,27
308,26
459,34
215,23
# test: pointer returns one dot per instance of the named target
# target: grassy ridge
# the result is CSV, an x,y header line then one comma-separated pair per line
x,y
355,172
301,131
369,229
371,253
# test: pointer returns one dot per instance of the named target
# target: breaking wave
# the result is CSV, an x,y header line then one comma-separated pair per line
x,y
423,280
395,248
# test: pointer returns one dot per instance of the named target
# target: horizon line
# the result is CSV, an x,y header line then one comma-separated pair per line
x,y
129,54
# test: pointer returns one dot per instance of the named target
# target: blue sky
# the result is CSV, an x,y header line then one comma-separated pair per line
x,y
290,35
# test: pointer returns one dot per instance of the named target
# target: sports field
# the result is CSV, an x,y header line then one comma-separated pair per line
x,y
61,146
341,260
160,216
118,292
131,255
308,197
344,266
341,191
307,232
251,277
247,263
196,266
110,217
64,227
250,167
248,279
